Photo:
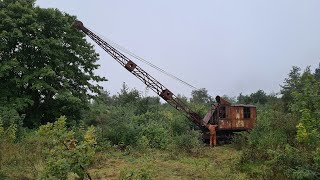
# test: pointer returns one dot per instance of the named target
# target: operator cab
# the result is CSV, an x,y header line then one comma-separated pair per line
x,y
233,117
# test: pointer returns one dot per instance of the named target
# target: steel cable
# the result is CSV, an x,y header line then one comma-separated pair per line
x,y
121,48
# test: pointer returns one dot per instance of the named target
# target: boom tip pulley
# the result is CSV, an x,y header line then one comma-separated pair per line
x,y
79,25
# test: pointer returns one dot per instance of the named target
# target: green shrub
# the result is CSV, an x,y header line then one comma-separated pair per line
x,y
19,158
118,127
143,143
66,153
263,147
188,142
142,174
157,135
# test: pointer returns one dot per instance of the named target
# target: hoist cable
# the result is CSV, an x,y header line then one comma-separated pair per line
x,y
117,46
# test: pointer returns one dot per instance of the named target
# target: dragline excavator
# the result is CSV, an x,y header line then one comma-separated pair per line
x,y
223,118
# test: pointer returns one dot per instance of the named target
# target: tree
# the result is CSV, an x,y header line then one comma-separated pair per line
x,y
243,99
306,105
46,65
148,104
259,97
127,96
290,85
317,73
201,96
182,98
229,98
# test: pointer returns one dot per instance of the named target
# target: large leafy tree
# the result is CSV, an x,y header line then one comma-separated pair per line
x,y
46,65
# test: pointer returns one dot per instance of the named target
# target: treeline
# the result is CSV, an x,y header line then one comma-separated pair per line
x,y
285,142
129,119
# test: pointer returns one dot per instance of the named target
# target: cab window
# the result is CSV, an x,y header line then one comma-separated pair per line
x,y
222,112
246,112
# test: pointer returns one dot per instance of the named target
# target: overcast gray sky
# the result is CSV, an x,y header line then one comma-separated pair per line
x,y
225,46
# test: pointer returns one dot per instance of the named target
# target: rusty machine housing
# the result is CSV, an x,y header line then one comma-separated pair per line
x,y
231,118
234,116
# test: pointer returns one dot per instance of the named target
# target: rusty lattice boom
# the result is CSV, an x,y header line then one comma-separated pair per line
x,y
145,77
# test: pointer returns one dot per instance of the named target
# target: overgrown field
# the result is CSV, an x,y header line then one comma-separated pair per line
x,y
54,151
57,122
207,163
127,136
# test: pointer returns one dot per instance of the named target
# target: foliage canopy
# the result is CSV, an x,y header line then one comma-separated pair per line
x,y
46,65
